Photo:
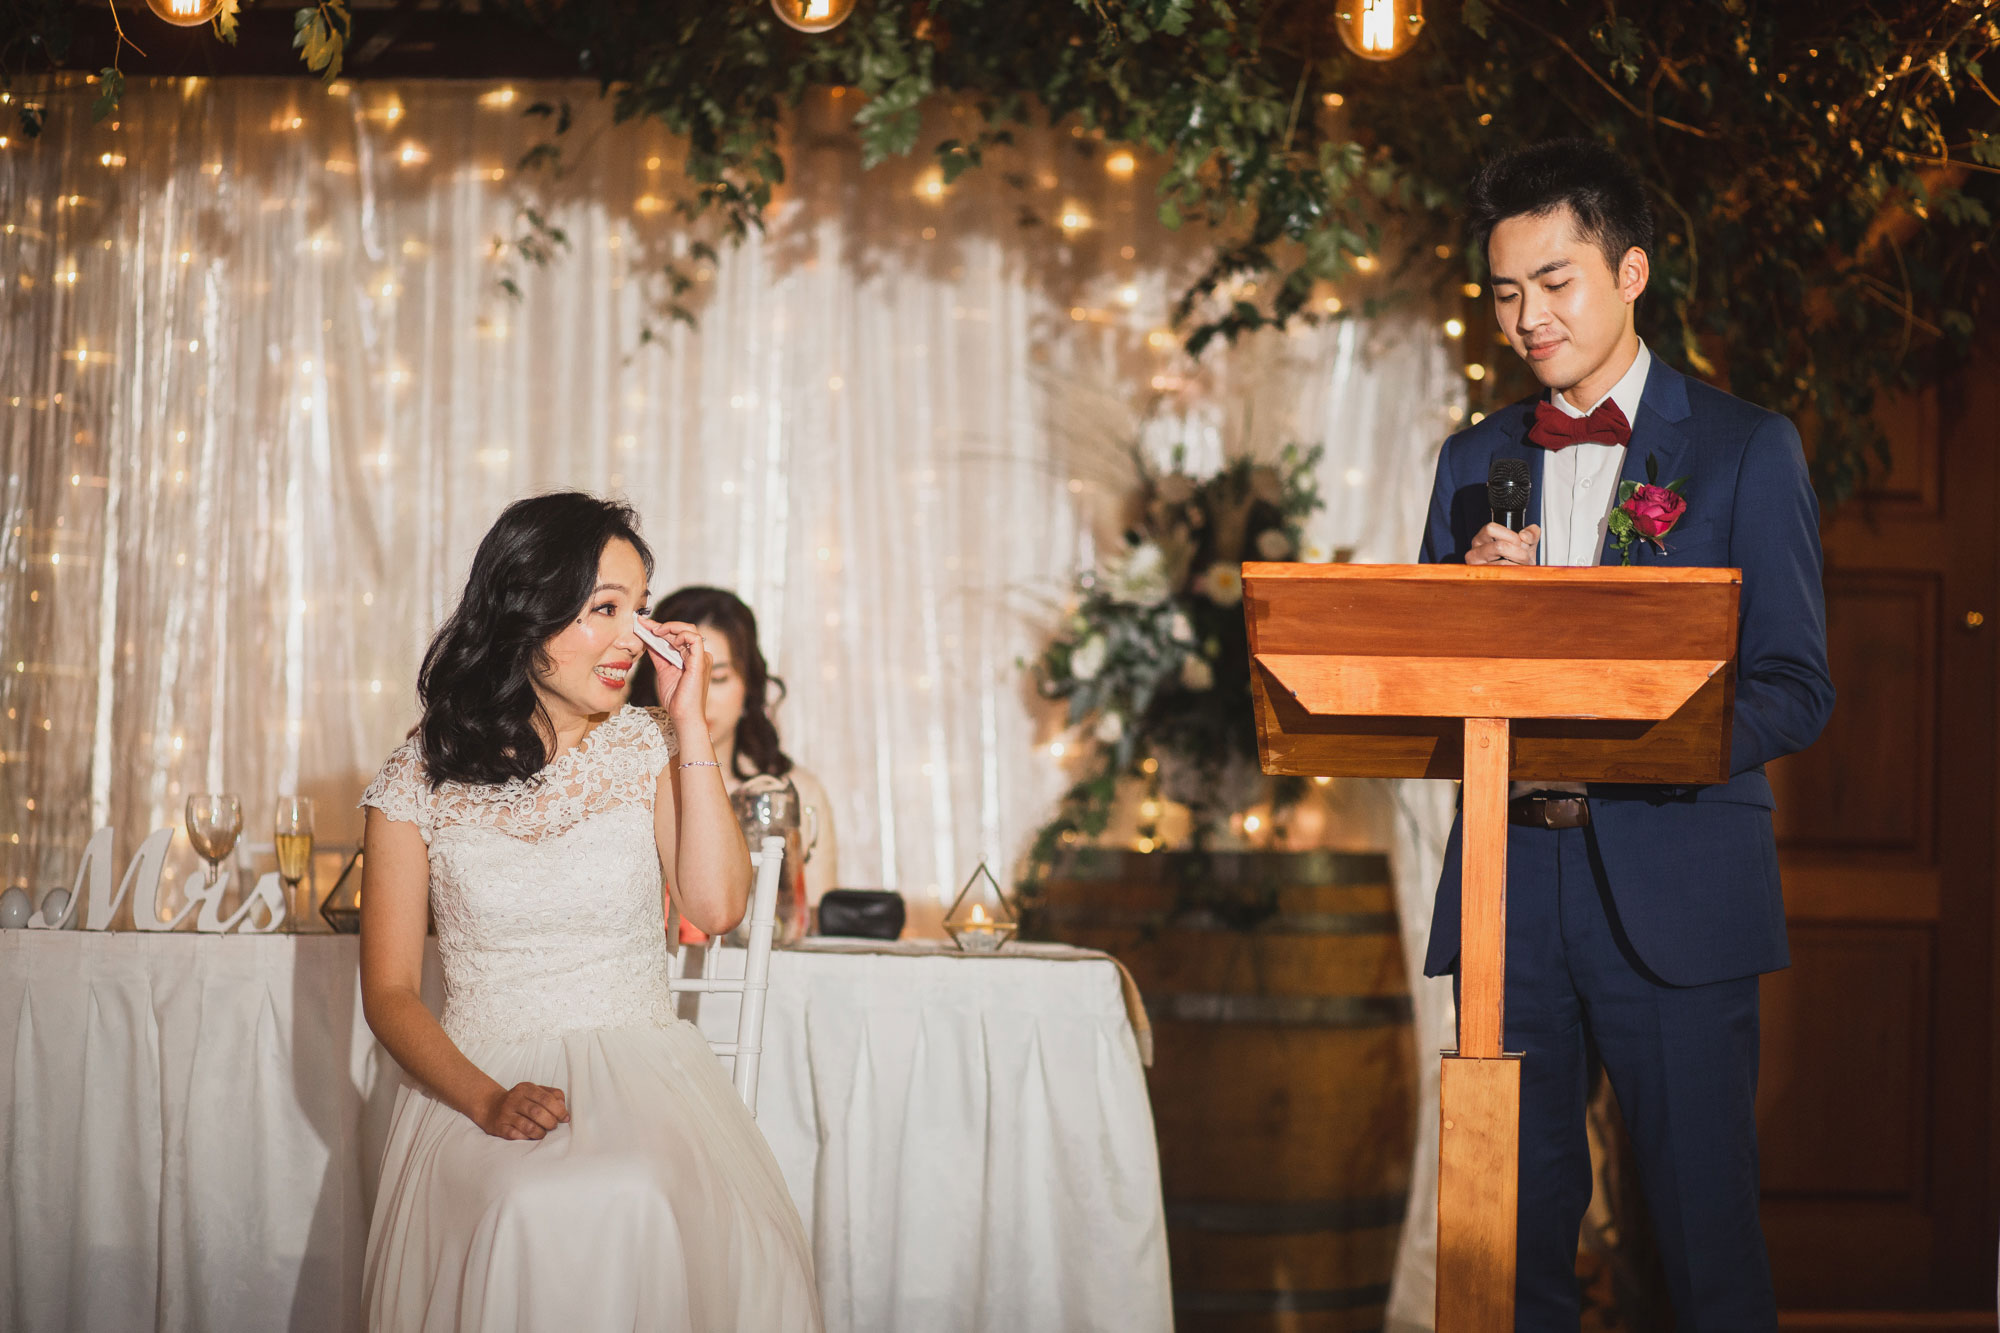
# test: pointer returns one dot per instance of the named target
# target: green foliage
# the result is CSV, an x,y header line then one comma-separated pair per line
x,y
320,37
1825,174
1824,178
110,87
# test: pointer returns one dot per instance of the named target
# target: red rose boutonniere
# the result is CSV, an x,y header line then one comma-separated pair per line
x,y
1647,512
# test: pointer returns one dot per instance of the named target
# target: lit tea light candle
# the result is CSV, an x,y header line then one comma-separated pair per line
x,y
980,932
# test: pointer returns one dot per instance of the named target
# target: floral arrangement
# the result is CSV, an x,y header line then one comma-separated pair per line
x,y
1648,511
1152,657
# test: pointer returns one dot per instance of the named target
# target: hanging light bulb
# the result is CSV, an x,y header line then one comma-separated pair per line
x,y
813,15
1379,29
185,13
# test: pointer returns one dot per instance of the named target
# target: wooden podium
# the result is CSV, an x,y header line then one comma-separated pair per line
x,y
1488,674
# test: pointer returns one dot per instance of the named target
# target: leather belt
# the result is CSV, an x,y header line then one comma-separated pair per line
x,y
1554,812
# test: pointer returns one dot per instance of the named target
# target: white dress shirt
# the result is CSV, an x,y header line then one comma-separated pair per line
x,y
1579,488
1580,483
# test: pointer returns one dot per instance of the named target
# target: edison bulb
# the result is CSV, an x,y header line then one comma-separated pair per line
x,y
813,15
1379,29
185,13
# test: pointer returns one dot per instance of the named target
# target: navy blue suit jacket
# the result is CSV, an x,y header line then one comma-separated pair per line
x,y
1693,870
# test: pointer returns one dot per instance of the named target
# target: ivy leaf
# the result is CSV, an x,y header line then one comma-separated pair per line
x,y
321,35
225,22
111,87
1619,39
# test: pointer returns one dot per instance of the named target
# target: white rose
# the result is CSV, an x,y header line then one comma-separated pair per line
x,y
1179,629
1088,659
1196,674
1221,584
1140,579
1273,544
1110,728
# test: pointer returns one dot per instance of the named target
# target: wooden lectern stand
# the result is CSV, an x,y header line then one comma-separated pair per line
x,y
1489,674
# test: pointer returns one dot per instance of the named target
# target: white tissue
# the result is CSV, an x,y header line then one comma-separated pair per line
x,y
658,644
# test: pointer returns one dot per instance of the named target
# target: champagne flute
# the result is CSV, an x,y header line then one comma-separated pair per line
x,y
214,819
292,831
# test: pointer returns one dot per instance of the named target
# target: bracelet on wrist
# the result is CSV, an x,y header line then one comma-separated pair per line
x,y
701,763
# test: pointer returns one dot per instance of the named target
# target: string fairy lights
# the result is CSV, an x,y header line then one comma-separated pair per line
x,y
404,271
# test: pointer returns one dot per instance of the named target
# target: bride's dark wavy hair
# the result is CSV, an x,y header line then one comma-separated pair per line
x,y
533,573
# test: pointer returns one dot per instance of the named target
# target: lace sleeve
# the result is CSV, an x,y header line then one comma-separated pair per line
x,y
660,742
402,789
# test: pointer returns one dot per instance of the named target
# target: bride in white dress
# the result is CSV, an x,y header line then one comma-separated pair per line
x,y
567,1154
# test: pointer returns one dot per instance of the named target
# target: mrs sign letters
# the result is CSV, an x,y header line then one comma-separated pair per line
x,y
141,884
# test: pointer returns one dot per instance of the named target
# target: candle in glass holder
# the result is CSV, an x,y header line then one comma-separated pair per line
x,y
980,933
981,919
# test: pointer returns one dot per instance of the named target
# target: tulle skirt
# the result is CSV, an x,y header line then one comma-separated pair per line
x,y
657,1207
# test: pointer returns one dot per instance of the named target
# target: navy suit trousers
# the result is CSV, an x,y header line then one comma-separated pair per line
x,y
1683,1062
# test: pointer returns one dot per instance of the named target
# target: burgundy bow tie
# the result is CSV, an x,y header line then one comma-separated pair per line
x,y
1555,429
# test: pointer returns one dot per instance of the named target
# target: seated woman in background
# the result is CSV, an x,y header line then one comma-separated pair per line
x,y
739,708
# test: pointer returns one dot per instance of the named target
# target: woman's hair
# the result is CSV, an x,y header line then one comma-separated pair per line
x,y
756,735
1598,186
531,577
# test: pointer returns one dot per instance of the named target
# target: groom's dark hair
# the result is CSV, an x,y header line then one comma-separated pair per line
x,y
1600,189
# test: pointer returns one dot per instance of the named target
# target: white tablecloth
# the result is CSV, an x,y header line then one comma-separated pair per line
x,y
190,1129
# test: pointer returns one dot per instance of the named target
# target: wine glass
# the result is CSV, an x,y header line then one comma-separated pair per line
x,y
293,833
214,819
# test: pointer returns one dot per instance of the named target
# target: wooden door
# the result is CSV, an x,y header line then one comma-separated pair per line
x,y
1877,1098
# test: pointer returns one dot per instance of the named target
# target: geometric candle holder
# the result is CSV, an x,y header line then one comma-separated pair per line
x,y
981,918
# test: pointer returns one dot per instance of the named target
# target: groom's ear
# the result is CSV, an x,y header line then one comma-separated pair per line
x,y
1634,271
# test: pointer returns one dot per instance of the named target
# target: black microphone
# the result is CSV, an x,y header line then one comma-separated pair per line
x,y
1507,488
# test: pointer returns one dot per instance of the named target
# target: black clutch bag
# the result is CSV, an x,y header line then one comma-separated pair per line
x,y
869,914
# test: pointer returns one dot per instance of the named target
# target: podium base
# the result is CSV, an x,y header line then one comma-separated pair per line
x,y
1479,1162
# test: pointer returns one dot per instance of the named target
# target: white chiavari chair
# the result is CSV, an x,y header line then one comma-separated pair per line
x,y
746,1052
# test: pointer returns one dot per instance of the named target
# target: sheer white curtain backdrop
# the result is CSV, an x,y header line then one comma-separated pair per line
x,y
261,392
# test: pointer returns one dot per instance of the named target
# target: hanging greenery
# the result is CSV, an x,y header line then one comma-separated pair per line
x,y
1826,174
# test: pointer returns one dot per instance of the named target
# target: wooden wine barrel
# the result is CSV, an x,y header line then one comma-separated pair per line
x,y
1283,1081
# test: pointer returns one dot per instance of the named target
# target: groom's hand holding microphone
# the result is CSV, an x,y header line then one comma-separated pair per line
x,y
1505,541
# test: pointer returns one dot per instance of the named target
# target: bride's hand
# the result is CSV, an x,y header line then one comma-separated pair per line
x,y
684,688
524,1111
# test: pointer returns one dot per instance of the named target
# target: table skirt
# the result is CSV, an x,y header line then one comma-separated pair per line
x,y
191,1127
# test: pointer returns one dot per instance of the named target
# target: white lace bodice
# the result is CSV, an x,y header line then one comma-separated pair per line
x,y
546,891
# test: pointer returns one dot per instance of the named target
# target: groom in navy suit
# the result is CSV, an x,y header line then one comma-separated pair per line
x,y
1638,917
